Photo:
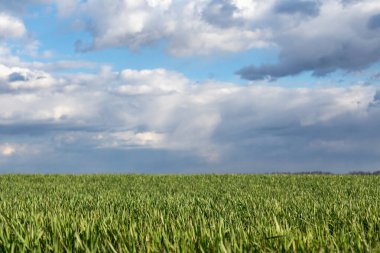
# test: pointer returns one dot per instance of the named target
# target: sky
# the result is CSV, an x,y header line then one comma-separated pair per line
x,y
189,86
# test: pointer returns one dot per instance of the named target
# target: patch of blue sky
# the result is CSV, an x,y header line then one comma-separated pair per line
x,y
221,67
57,35
54,34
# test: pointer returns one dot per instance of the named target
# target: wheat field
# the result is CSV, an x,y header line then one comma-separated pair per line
x,y
189,213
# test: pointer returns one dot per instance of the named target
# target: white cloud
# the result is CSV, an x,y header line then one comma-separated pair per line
x,y
7,58
156,81
316,36
192,118
130,139
139,23
7,150
335,36
32,49
218,123
16,78
214,123
11,27
67,7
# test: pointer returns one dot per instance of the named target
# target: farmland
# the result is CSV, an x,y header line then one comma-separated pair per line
x,y
189,213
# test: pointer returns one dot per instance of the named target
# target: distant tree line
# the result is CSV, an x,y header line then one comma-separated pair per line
x,y
365,173
317,172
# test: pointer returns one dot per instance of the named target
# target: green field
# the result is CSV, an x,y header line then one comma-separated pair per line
x,y
189,213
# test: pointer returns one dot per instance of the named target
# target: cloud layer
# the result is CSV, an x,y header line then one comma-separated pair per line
x,y
182,24
79,116
147,118
336,37
310,35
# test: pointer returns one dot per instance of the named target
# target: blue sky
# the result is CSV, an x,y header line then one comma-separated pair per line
x,y
198,86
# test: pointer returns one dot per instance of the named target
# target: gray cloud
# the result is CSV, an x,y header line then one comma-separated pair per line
x,y
326,59
220,13
322,47
290,143
43,128
377,96
349,2
374,22
304,7
310,35
190,27
160,121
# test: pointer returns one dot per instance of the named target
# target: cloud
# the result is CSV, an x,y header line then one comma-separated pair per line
x,y
309,35
125,23
16,78
377,96
374,22
158,81
65,65
167,118
158,120
11,27
67,7
220,13
130,140
341,37
303,7
7,150
188,27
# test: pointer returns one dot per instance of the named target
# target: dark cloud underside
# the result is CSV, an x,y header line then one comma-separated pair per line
x,y
308,8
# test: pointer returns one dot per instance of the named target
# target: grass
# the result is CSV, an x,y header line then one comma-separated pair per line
x,y
189,213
